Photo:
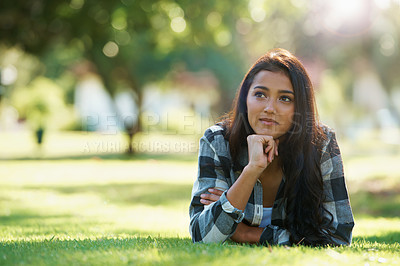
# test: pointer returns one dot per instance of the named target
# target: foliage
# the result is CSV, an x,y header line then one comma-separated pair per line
x,y
132,43
42,104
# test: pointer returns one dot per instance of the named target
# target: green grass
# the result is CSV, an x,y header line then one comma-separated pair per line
x,y
110,208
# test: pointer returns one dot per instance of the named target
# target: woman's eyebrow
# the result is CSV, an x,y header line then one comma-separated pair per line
x,y
265,88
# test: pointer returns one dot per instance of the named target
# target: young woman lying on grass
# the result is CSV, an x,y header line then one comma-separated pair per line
x,y
271,172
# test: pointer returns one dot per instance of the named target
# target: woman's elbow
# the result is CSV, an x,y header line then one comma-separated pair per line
x,y
212,236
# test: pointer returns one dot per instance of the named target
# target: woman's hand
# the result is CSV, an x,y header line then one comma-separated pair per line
x,y
262,151
207,199
243,233
247,234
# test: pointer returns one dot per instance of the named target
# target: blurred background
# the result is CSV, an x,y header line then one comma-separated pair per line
x,y
172,66
102,103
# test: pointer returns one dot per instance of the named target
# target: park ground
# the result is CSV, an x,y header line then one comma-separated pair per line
x,y
81,200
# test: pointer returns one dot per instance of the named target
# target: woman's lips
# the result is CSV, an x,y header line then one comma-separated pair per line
x,y
268,122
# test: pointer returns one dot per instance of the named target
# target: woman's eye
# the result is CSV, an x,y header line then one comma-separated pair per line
x,y
286,99
259,94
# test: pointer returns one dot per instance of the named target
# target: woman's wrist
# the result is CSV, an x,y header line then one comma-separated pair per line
x,y
253,170
247,234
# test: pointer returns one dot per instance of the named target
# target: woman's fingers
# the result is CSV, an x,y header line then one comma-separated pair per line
x,y
207,199
262,150
211,197
215,191
269,153
270,148
206,202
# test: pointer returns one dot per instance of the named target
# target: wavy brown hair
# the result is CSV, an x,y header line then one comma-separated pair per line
x,y
299,149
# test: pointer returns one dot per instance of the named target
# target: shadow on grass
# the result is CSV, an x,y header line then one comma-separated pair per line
x,y
136,242
384,204
23,218
32,223
387,238
113,156
103,251
153,194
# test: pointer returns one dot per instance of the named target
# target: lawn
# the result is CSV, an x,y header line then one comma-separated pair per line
x,y
108,208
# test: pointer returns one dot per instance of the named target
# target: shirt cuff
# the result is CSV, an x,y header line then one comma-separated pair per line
x,y
274,235
267,236
233,212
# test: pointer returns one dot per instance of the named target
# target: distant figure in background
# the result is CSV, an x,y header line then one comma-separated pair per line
x,y
270,172
39,135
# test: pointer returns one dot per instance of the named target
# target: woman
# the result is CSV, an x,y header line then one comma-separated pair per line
x,y
270,173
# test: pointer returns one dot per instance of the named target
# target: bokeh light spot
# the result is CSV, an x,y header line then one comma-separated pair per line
x,y
175,12
110,49
119,19
9,75
223,38
76,4
257,14
214,19
178,24
257,10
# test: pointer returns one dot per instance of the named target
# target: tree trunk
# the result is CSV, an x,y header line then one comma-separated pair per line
x,y
132,130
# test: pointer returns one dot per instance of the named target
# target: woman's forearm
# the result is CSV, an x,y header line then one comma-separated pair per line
x,y
262,149
239,193
247,234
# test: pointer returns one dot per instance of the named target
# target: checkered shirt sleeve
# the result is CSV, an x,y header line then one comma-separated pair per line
x,y
336,200
211,223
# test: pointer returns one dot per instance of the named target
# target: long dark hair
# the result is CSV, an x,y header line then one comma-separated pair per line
x,y
299,151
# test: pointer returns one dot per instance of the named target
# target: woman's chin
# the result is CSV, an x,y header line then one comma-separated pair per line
x,y
273,133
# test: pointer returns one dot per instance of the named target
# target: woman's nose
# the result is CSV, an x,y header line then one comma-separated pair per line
x,y
270,107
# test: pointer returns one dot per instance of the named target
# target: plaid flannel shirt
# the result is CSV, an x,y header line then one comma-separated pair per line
x,y
216,223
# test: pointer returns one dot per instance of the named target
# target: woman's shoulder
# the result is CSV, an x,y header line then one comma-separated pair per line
x,y
216,132
214,137
326,129
327,132
329,145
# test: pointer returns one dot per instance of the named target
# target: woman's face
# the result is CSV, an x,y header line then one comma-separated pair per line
x,y
270,104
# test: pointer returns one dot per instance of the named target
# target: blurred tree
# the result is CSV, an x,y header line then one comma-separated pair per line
x,y
42,105
130,42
